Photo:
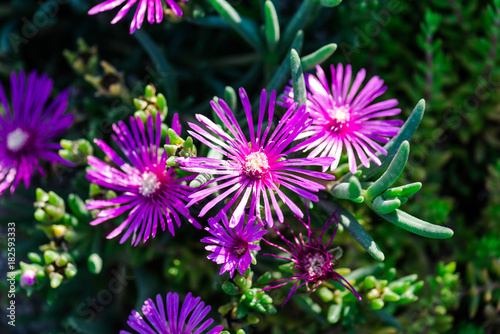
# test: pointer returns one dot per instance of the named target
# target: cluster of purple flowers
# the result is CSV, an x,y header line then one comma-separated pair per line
x,y
257,175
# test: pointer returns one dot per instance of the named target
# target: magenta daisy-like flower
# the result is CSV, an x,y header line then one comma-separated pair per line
x,y
256,169
343,116
27,127
184,321
150,191
154,10
231,247
313,260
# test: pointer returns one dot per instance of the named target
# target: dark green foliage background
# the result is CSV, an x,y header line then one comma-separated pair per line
x,y
446,52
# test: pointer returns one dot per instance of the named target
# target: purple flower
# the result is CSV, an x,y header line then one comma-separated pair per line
x,y
231,247
314,262
149,188
154,8
174,322
28,278
257,168
343,118
27,127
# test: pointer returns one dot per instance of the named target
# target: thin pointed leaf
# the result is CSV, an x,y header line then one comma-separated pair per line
x,y
348,190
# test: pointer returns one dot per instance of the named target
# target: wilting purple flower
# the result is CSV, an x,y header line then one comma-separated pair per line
x,y
27,127
174,322
150,190
153,7
343,117
314,262
257,167
231,247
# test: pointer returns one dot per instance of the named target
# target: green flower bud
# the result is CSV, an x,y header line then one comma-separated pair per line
x,y
50,256
84,59
390,296
55,280
94,263
70,270
224,309
41,196
243,283
373,293
63,260
35,257
151,104
370,282
377,304
230,289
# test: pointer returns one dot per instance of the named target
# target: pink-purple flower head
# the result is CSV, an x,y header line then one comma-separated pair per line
x,y
152,8
343,116
186,320
313,260
231,247
256,169
28,124
150,191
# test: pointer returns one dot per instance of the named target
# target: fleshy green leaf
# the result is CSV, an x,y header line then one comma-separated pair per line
x,y
329,3
272,25
383,206
318,56
403,191
230,98
348,190
334,311
299,85
392,173
417,226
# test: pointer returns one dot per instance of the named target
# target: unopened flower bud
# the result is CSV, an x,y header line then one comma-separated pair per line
x,y
27,278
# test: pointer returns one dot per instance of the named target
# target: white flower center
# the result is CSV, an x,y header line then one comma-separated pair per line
x,y
16,140
256,165
149,184
314,264
340,114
